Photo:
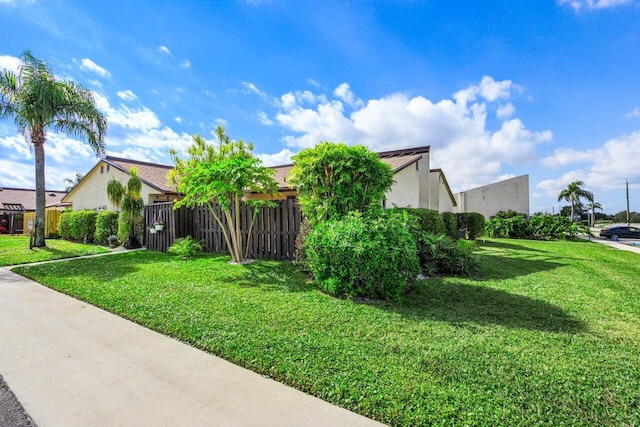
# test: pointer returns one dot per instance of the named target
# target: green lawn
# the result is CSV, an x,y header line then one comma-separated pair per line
x,y
15,250
549,333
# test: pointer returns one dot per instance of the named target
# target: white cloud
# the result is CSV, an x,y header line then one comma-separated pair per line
x,y
277,159
88,65
343,92
633,113
251,88
264,118
10,63
164,50
185,64
127,95
505,111
488,89
579,5
565,156
605,168
468,151
17,175
178,119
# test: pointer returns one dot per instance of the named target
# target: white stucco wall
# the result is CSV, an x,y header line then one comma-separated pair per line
x,y
404,193
500,196
411,188
440,200
92,191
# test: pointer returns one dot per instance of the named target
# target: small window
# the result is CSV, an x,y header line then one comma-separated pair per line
x,y
101,169
108,167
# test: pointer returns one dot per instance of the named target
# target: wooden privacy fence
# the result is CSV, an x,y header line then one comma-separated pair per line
x,y
273,235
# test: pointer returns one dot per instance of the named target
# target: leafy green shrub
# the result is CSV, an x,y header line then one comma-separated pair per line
x,y
334,179
186,247
82,225
472,223
300,255
64,225
357,256
537,227
508,214
439,254
426,220
450,220
106,225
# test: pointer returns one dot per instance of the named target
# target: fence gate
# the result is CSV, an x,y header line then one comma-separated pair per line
x,y
273,235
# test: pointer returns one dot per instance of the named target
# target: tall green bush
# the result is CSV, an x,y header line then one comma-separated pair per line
x,y
472,223
335,179
106,225
82,225
450,221
426,220
358,256
64,225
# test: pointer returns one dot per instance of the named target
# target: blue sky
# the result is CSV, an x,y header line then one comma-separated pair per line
x,y
549,88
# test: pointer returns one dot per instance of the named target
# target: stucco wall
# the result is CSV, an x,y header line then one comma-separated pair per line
x,y
404,193
500,196
411,188
92,191
440,200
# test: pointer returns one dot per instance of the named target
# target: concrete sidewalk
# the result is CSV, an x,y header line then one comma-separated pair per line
x,y
72,364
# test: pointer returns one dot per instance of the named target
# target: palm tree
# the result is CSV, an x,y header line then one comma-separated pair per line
x,y
37,102
593,205
128,198
573,193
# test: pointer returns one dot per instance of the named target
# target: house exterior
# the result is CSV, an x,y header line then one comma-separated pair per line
x,y
91,191
18,210
416,185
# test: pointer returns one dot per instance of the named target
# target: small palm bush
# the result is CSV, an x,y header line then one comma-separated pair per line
x,y
186,247
439,254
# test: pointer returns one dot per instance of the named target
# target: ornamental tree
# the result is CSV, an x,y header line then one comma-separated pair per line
x,y
333,179
223,175
129,199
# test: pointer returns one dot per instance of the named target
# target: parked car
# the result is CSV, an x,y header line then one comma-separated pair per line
x,y
620,231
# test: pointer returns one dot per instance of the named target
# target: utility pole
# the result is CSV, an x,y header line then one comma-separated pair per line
x,y
627,181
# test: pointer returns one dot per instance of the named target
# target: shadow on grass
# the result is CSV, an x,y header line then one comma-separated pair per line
x,y
499,260
509,246
275,276
458,303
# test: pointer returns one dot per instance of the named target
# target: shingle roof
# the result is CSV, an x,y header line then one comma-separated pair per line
x,y
151,173
27,198
156,175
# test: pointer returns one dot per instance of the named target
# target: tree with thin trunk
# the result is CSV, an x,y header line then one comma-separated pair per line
x,y
573,193
38,102
129,199
224,176
593,205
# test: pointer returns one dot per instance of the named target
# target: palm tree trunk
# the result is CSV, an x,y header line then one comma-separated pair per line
x,y
38,146
572,210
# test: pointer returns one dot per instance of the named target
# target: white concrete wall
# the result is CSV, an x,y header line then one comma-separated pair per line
x,y
92,191
439,201
500,196
411,188
404,193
